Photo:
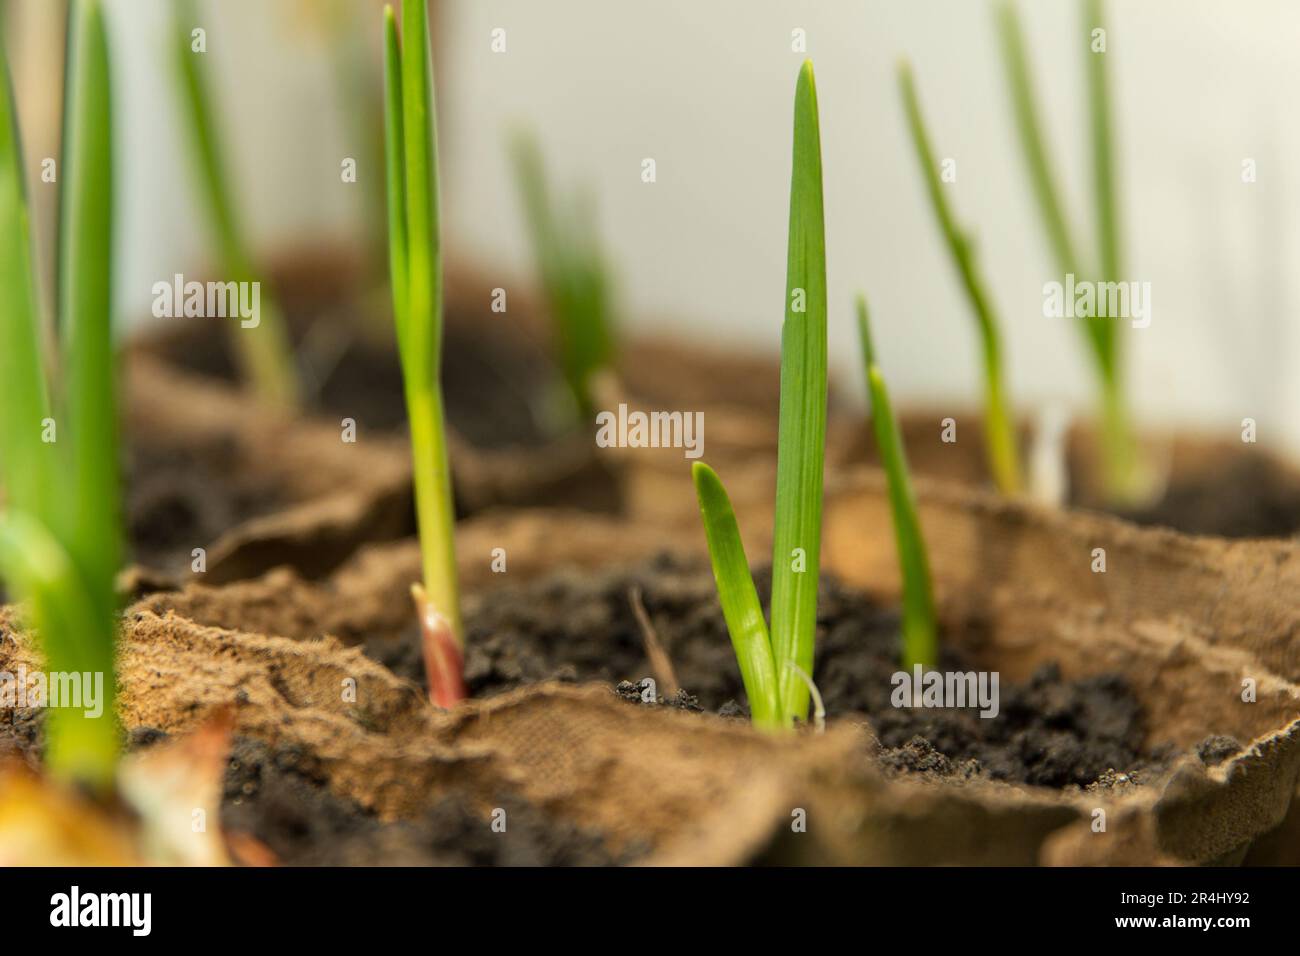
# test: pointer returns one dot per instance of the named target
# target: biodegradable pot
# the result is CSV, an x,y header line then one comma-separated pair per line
x,y
738,395
496,375
1214,485
1182,620
368,597
209,469
1211,484
1189,619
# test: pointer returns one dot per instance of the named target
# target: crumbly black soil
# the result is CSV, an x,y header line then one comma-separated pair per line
x,y
1050,731
1218,748
280,797
177,498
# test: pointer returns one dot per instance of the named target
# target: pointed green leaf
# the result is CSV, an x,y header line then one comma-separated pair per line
x,y
573,273
999,428
802,421
1123,475
86,305
1064,249
740,606
265,351
22,364
920,642
394,152
60,533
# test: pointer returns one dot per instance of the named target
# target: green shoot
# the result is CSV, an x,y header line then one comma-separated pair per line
x,y
999,427
60,532
740,607
1032,142
416,265
1103,160
801,446
1118,444
801,432
26,395
265,353
573,275
920,643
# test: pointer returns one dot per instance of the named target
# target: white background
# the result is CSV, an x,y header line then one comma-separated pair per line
x,y
705,88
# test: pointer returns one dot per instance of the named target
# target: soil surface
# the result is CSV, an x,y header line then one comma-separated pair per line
x,y
492,378
490,386
278,797
179,497
1228,489
1050,731
1241,496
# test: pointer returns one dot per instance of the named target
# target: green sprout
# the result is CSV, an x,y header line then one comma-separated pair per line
x,y
573,272
740,606
775,665
999,426
1119,447
920,643
265,353
61,540
415,258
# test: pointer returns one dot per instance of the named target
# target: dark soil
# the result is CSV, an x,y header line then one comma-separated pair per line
x,y
179,498
278,797
282,800
492,376
1244,496
1217,749
1050,731
490,386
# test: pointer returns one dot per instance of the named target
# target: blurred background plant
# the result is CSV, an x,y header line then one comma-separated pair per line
x,y
573,274
61,538
1193,105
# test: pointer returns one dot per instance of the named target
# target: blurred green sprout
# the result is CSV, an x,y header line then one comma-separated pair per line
x,y
1121,471
999,426
920,640
61,539
265,353
573,272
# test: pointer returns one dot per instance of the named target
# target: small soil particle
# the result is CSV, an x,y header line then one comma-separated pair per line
x,y
1217,748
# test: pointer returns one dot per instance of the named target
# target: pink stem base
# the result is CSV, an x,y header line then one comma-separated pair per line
x,y
444,661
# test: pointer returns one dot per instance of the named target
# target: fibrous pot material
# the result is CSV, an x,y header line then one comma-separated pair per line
x,y
1016,583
